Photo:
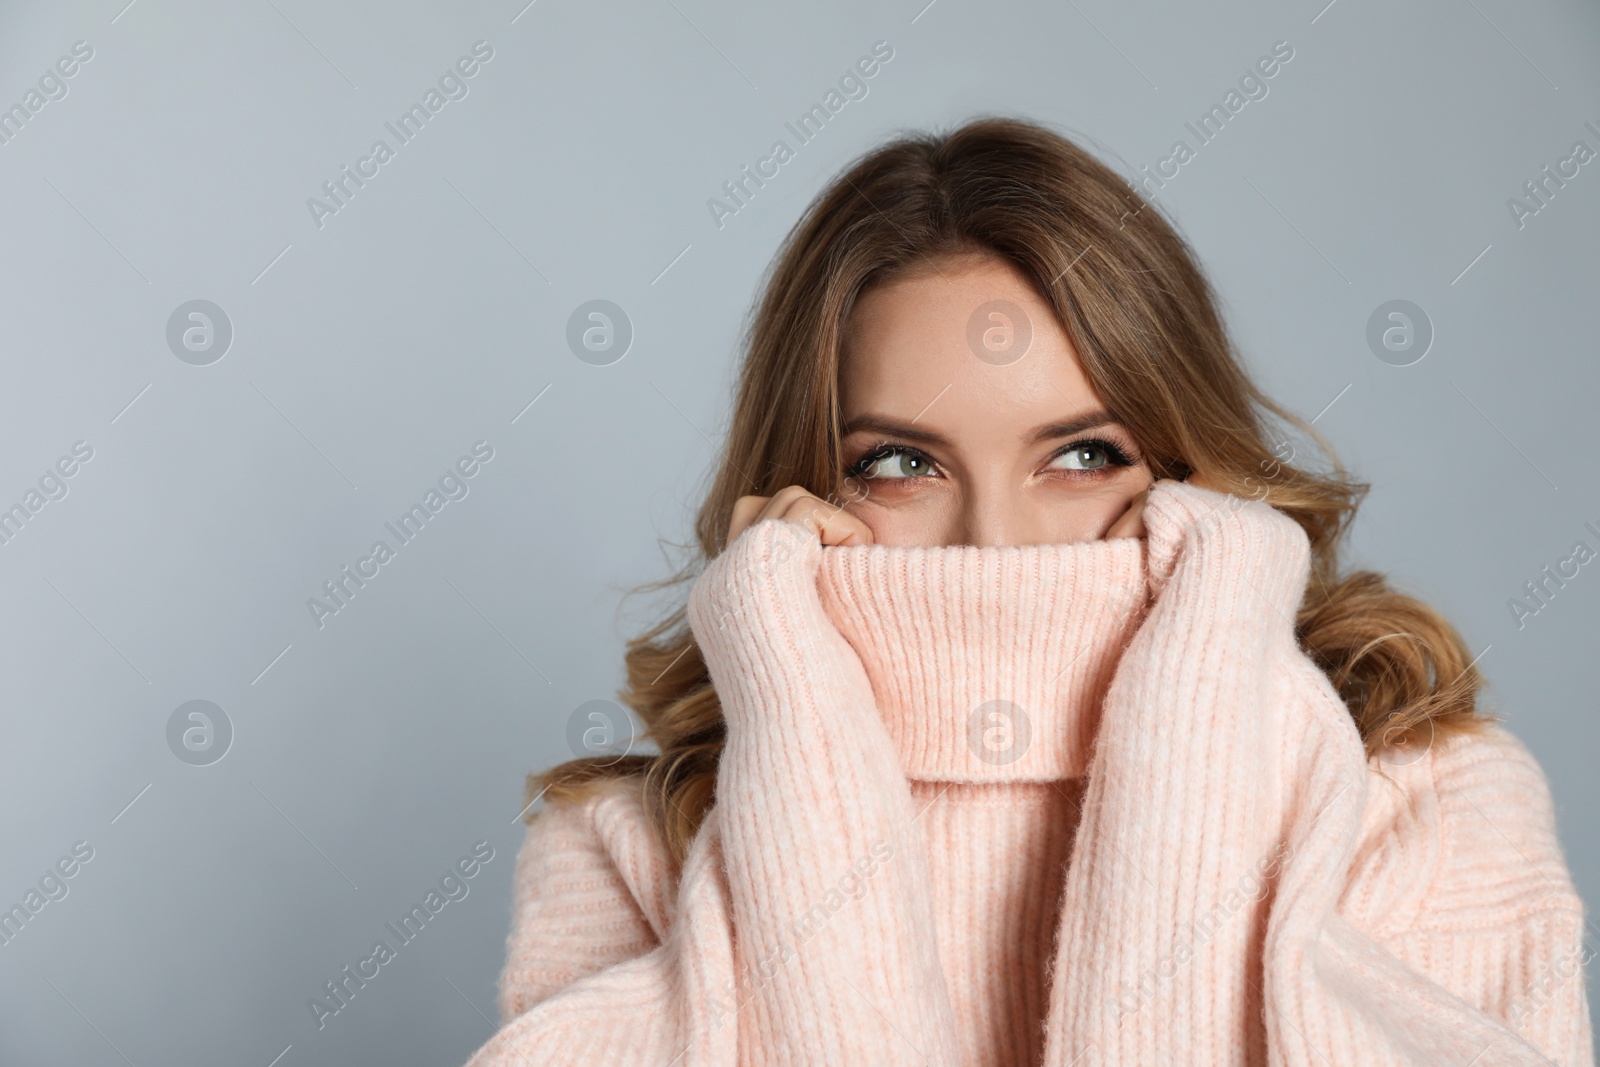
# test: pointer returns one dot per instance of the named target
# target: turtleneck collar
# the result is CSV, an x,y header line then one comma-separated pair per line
x,y
988,663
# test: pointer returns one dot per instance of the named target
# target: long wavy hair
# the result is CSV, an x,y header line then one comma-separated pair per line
x,y
1145,324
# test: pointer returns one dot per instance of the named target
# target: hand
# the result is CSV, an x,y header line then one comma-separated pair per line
x,y
1131,522
832,524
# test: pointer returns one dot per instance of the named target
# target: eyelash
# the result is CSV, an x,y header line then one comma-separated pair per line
x,y
1116,456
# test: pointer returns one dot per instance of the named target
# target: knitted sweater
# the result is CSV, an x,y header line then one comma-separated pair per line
x,y
1053,805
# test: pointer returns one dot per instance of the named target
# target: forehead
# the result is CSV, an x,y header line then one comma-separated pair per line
x,y
914,348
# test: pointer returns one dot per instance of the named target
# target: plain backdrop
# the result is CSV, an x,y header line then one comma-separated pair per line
x,y
373,346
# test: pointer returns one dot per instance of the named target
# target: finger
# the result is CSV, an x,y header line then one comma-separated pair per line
x,y
1131,522
832,524
745,512
749,510
779,503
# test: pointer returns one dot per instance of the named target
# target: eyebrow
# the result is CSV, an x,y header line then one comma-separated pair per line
x,y
1066,428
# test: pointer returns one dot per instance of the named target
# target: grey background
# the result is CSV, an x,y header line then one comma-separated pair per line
x,y
369,354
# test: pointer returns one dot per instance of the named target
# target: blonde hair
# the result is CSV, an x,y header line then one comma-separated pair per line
x,y
1144,321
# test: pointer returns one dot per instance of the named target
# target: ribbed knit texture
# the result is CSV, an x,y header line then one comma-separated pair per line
x,y
1051,804
988,664
988,667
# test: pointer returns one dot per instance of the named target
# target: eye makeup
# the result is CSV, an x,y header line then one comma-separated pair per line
x,y
1116,456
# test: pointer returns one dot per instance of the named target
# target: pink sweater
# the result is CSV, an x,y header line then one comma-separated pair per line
x,y
1072,804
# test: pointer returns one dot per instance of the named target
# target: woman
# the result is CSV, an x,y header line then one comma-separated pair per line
x,y
1021,714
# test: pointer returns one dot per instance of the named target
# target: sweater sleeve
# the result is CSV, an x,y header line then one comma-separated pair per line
x,y
1402,933
591,891
801,929
836,950
1228,806
1461,875
1161,911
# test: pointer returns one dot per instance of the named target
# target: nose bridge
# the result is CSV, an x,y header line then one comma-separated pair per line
x,y
992,508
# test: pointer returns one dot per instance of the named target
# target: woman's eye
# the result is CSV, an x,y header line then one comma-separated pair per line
x,y
895,463
1083,457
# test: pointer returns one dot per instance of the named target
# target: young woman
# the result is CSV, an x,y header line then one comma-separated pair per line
x,y
1021,714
